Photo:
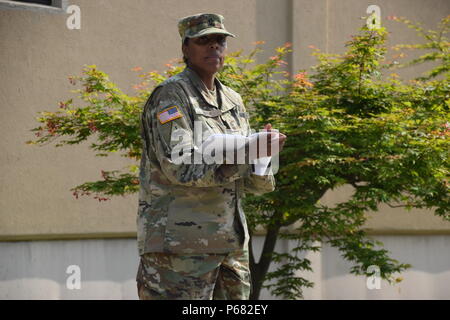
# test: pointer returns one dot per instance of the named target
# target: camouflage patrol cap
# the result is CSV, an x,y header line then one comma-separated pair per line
x,y
202,24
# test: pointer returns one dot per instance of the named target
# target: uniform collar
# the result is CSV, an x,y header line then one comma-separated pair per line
x,y
228,102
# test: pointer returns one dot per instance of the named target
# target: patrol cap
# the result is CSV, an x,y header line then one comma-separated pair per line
x,y
202,24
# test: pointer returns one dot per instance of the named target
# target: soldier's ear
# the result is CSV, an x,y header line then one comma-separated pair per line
x,y
184,49
185,56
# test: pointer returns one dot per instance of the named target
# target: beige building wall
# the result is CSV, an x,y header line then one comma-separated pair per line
x,y
38,53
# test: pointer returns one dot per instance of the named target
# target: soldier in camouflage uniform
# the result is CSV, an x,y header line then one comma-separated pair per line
x,y
192,232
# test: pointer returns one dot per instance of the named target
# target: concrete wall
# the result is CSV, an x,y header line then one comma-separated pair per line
x,y
38,270
38,53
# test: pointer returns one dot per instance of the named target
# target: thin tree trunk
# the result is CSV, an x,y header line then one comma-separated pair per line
x,y
259,270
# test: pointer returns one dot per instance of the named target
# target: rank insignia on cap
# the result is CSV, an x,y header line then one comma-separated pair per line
x,y
169,114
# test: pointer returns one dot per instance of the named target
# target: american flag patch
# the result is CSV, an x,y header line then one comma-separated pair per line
x,y
169,114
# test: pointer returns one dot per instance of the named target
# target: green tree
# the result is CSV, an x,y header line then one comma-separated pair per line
x,y
346,125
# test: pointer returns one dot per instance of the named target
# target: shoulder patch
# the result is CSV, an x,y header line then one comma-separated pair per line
x,y
169,114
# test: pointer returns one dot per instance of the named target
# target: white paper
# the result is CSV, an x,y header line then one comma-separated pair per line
x,y
261,165
220,142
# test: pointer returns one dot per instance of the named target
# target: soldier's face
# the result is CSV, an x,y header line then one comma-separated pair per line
x,y
206,53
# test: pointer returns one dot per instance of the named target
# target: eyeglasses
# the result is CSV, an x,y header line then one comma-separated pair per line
x,y
204,40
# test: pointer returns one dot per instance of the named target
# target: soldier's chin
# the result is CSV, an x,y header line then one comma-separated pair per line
x,y
212,61
213,67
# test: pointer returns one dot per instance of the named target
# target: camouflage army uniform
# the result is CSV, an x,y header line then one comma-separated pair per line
x,y
192,232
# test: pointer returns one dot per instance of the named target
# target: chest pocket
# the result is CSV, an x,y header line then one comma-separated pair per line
x,y
237,120
228,120
206,118
230,116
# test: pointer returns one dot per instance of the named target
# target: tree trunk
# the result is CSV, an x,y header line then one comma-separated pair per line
x,y
259,270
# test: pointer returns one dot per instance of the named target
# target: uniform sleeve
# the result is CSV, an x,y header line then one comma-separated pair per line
x,y
168,118
257,184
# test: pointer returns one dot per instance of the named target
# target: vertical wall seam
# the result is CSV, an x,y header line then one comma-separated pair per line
x,y
290,37
327,7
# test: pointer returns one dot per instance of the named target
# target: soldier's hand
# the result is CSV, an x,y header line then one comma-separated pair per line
x,y
274,136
